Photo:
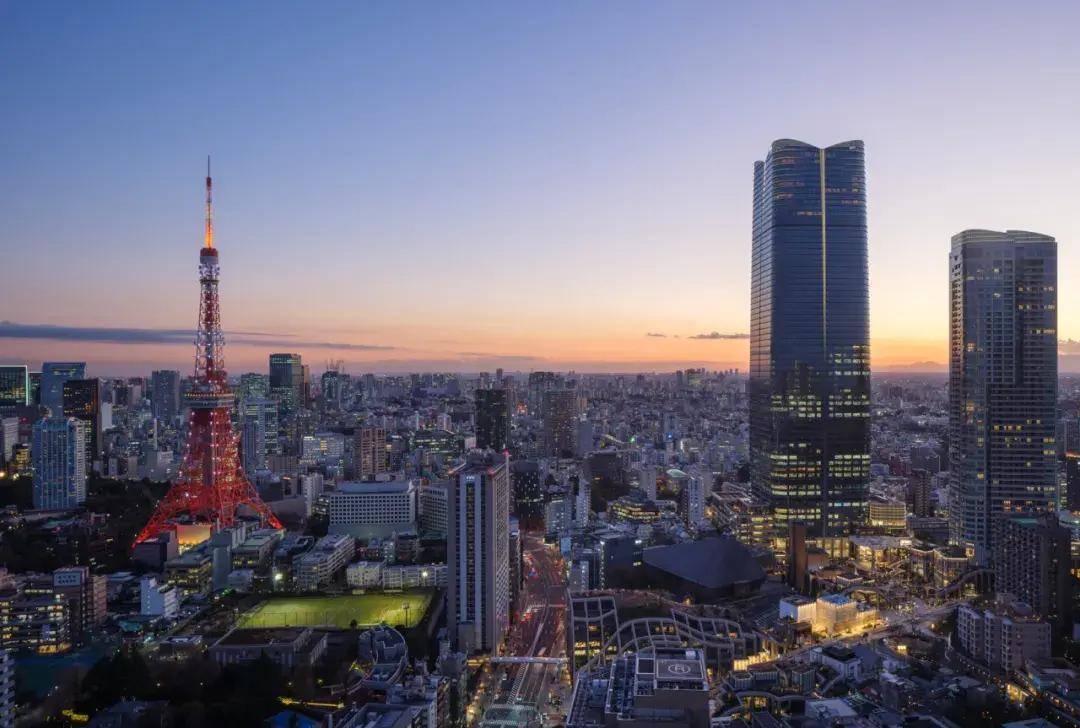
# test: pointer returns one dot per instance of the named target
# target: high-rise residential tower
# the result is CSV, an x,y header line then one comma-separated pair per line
x,y
478,552
1002,381
1032,559
492,420
809,337
559,411
59,456
370,454
53,376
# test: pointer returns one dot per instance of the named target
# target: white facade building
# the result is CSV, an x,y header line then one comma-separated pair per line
x,y
157,599
370,510
320,566
311,487
478,555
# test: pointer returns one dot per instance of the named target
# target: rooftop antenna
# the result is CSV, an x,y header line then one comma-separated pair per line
x,y
209,235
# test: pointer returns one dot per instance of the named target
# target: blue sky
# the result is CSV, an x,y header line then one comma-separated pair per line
x,y
481,183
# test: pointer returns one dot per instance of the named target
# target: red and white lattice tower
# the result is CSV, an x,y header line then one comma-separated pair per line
x,y
211,485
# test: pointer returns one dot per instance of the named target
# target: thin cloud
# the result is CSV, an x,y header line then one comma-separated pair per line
x,y
503,357
285,341
656,335
113,335
716,335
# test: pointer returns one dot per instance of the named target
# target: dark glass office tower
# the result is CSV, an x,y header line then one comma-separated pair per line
x,y
809,337
165,394
82,400
287,381
1002,381
492,420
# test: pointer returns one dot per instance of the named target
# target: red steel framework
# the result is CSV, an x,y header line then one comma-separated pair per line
x,y
211,485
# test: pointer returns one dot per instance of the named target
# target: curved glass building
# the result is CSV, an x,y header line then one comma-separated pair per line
x,y
809,337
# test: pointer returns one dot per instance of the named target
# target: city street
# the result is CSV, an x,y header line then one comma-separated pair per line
x,y
539,632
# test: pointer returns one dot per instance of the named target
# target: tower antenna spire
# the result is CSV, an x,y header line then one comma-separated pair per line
x,y
209,234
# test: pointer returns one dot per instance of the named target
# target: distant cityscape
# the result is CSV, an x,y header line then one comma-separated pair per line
x,y
803,544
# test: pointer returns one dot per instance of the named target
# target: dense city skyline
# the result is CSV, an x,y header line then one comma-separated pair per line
x,y
387,162
603,365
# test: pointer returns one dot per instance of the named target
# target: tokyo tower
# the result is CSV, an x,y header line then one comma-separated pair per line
x,y
211,485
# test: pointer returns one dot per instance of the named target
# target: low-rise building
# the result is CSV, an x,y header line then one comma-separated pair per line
x,y
664,687
839,614
257,550
381,715
379,575
798,608
873,553
840,660
320,566
289,647
191,572
889,516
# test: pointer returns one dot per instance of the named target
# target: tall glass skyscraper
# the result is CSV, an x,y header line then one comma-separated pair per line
x,y
14,387
287,381
809,337
53,376
1002,381
59,455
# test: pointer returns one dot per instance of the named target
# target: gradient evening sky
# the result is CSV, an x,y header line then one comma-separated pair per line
x,y
526,185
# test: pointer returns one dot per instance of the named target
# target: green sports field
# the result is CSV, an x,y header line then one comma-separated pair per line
x,y
339,611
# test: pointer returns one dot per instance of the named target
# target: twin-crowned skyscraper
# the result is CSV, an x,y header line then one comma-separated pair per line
x,y
810,337
810,356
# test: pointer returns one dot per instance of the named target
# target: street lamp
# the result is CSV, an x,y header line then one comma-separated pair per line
x,y
405,606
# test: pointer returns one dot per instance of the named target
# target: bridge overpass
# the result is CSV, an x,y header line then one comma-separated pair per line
x,y
526,660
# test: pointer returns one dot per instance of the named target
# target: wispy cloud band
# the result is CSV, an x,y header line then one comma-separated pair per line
x,y
714,335
114,335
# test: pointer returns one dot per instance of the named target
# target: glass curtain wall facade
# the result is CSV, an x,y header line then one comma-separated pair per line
x,y
1002,381
809,337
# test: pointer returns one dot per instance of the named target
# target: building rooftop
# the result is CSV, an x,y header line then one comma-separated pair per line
x,y
838,600
241,637
388,488
710,563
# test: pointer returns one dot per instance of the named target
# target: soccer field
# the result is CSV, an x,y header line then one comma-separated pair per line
x,y
340,611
